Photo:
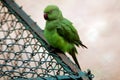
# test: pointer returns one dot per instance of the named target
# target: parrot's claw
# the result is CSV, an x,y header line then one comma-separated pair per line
x,y
52,49
55,50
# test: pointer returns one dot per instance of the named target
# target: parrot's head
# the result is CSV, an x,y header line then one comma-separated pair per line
x,y
52,12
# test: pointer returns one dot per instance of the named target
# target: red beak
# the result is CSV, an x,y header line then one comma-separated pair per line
x,y
45,16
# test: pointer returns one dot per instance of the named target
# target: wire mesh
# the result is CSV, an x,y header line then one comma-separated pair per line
x,y
21,54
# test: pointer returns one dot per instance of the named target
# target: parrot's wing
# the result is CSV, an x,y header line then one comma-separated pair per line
x,y
68,32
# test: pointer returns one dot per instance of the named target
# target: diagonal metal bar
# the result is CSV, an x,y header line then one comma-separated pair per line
x,y
30,25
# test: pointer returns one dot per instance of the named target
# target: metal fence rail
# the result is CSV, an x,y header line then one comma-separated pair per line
x,y
24,53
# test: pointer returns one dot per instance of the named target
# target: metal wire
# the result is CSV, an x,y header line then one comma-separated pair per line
x,y
21,54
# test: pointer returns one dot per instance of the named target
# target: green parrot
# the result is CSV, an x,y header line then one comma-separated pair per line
x,y
60,33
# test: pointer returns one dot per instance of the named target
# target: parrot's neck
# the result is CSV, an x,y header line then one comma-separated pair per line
x,y
60,16
58,19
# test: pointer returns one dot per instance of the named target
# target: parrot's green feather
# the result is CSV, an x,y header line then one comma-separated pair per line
x,y
68,32
60,33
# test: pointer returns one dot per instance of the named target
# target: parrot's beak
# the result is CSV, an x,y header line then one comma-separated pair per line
x,y
45,16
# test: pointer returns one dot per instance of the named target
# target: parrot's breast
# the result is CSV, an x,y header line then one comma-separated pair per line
x,y
53,38
56,41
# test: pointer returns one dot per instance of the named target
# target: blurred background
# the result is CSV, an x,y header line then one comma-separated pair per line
x,y
98,24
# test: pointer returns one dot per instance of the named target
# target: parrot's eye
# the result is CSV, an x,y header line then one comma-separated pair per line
x,y
50,11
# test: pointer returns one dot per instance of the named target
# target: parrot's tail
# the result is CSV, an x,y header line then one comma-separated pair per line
x,y
82,45
72,53
79,43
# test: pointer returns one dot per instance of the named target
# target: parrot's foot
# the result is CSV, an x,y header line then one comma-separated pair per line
x,y
55,50
52,49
